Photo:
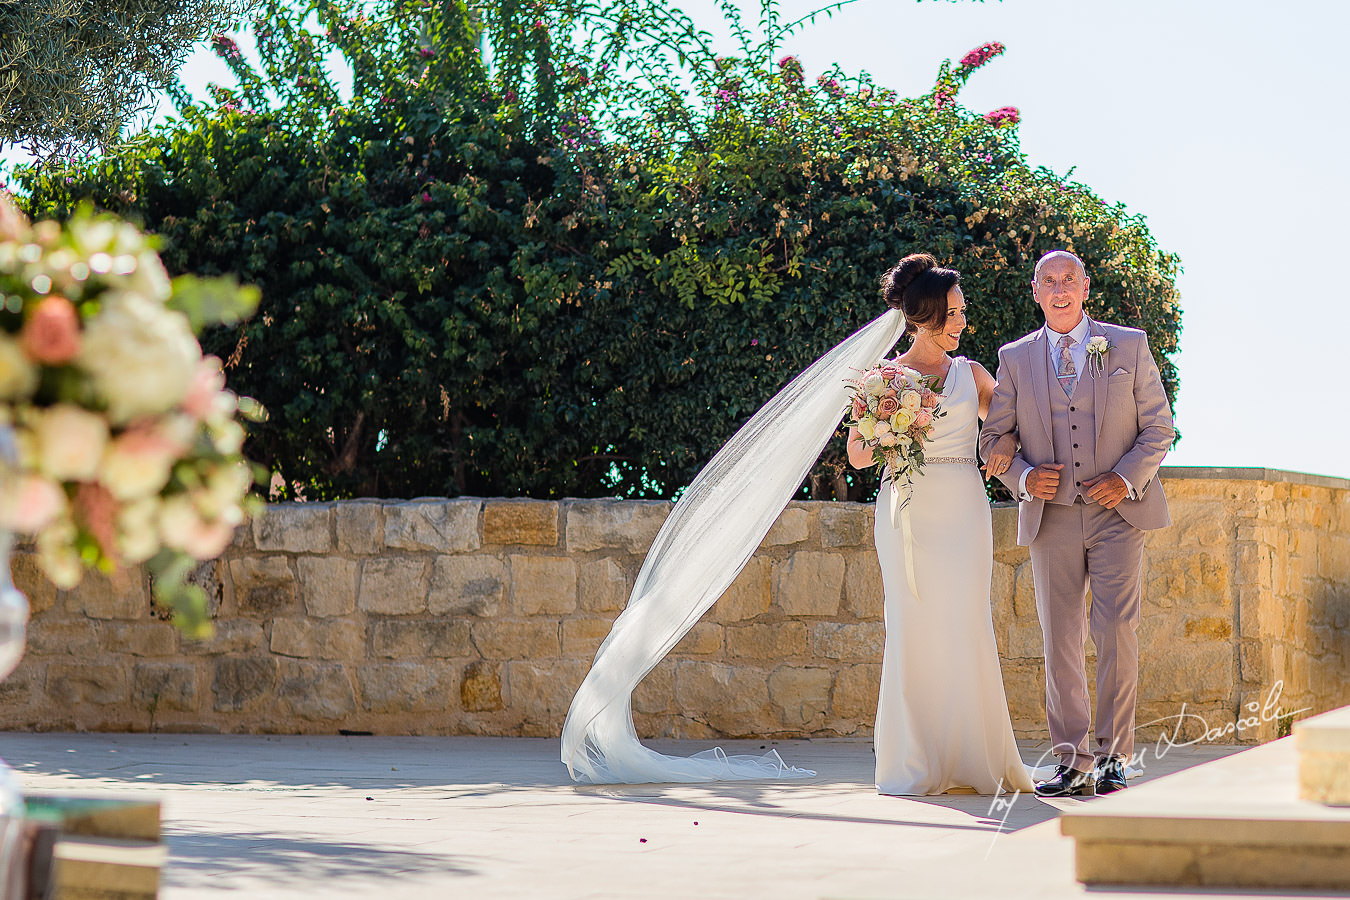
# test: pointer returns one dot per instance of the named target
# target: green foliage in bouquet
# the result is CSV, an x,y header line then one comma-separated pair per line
x,y
121,444
566,248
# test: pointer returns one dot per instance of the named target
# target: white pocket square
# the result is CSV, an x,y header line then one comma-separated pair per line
x,y
1119,372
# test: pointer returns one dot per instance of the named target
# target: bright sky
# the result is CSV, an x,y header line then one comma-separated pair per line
x,y
1222,121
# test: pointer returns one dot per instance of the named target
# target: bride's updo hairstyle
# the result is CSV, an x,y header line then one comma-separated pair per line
x,y
918,286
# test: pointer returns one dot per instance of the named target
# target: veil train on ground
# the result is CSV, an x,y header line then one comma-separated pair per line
x,y
707,539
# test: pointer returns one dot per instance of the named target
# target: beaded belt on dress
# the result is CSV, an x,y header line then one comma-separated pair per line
x,y
958,460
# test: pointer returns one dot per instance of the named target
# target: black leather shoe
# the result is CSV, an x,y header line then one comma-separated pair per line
x,y
1110,774
1068,783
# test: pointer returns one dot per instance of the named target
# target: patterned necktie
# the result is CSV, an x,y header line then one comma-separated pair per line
x,y
1068,375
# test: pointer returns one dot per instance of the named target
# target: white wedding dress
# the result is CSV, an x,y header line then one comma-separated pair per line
x,y
942,716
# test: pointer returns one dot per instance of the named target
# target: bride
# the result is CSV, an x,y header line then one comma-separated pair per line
x,y
942,716
943,710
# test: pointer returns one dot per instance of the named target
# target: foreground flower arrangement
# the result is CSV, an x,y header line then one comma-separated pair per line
x,y
128,444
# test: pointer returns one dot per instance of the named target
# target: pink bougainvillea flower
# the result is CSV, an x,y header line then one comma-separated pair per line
x,y
1004,115
981,55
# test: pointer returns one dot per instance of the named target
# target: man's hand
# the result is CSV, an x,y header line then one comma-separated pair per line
x,y
1043,481
1000,457
1107,489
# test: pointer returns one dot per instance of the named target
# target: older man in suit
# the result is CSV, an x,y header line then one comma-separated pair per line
x,y
1088,406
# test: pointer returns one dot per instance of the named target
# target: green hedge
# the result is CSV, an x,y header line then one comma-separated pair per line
x,y
467,292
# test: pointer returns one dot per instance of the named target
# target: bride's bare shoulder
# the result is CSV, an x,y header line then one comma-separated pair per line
x,y
982,376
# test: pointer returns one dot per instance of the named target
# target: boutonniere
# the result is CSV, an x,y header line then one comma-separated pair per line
x,y
1097,348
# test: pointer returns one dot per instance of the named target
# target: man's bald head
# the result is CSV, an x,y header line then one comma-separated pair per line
x,y
1054,255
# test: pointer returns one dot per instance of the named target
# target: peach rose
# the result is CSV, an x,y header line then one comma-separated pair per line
x,y
923,418
52,333
859,408
30,503
887,407
928,399
138,462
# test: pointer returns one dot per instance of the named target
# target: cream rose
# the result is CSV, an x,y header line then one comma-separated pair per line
x,y
874,384
888,440
142,356
18,376
911,400
138,530
883,428
69,442
867,427
902,419
181,526
137,463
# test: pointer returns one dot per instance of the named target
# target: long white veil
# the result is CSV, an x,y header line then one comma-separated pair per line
x,y
707,539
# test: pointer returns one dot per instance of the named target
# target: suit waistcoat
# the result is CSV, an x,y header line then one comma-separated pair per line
x,y
1073,433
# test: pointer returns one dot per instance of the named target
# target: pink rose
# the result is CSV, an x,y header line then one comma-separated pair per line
x,y
928,399
52,333
859,407
889,371
923,419
887,407
95,510
207,382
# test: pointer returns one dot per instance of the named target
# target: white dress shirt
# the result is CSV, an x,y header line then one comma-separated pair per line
x,y
1078,353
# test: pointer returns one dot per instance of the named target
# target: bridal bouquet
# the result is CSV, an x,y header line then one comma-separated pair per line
x,y
119,444
894,407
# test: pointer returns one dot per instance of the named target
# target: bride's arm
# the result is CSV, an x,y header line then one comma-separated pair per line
x,y
984,386
999,457
859,457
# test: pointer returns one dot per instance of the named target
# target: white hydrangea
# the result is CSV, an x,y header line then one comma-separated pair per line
x,y
142,356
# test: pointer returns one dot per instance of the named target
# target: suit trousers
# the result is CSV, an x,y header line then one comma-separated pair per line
x,y
1077,546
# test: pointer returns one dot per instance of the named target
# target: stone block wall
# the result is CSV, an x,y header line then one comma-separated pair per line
x,y
474,616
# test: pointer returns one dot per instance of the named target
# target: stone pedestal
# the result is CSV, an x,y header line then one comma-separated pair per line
x,y
1323,744
1237,822
84,848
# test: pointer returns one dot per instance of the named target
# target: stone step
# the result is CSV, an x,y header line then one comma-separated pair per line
x,y
1323,744
1235,822
99,868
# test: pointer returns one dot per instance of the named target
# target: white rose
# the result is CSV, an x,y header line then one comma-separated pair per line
x,y
18,376
69,442
874,384
142,356
149,278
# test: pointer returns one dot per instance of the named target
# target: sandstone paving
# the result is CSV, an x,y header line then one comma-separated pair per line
x,y
319,816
